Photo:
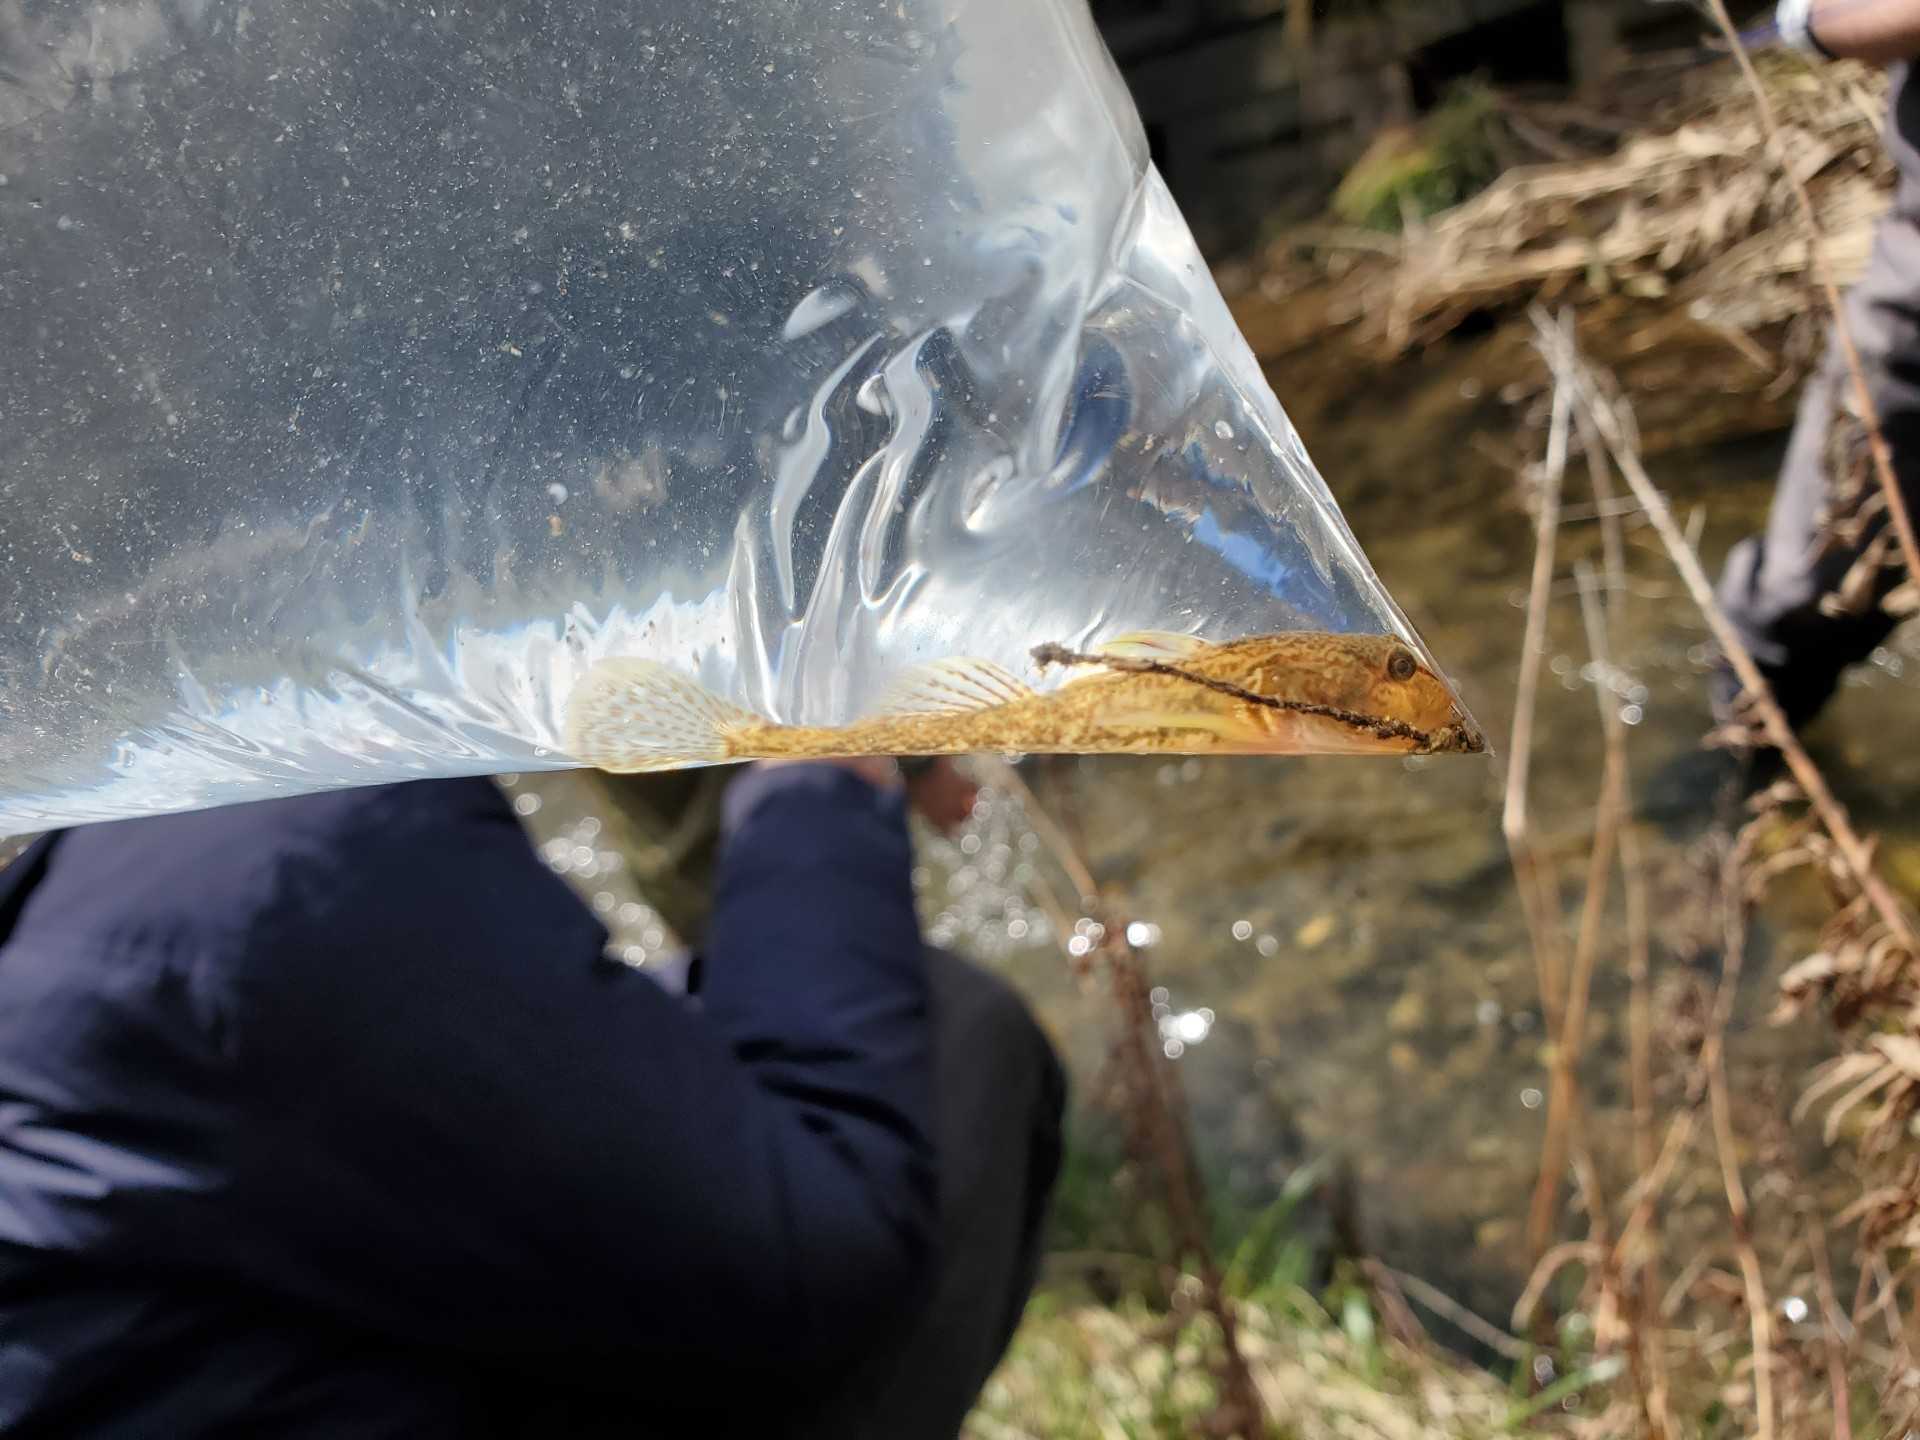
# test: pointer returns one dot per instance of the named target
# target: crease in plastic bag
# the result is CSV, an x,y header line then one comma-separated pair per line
x,y
373,371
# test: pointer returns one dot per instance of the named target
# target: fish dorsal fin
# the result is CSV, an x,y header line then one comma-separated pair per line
x,y
628,715
1163,645
1151,645
951,687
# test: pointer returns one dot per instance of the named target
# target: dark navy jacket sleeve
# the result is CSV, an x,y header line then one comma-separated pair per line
x,y
383,1074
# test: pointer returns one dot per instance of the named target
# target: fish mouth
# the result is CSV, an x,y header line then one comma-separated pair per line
x,y
1459,736
1320,731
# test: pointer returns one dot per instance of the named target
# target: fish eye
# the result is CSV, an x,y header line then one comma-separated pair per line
x,y
1401,665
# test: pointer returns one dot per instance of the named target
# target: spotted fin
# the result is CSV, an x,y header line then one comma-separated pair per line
x,y
951,687
1162,645
628,715
1151,645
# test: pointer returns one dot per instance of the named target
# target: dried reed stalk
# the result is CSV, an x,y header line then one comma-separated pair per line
x,y
1569,1252
1645,1335
1831,1327
1607,508
1633,870
1447,1308
1856,854
1633,883
1563,1092
1830,288
1713,1062
1158,1093
1532,871
1887,1305
1646,1190
1300,25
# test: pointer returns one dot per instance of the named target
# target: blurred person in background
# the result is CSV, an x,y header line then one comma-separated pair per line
x,y
326,1116
1807,595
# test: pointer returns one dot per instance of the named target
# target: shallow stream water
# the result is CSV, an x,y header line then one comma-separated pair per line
x,y
1345,963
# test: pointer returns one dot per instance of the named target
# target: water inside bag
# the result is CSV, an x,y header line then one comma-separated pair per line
x,y
373,370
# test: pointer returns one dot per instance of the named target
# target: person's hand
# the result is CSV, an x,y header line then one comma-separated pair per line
x,y
1877,31
941,792
879,771
944,795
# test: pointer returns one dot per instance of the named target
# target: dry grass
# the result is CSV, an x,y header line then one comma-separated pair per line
x,y
1115,1374
1682,216
1717,1348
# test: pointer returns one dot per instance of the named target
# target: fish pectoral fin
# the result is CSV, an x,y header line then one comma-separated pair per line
x,y
1148,717
1151,645
951,687
628,715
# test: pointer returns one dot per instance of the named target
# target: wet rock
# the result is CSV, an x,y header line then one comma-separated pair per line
x,y
1496,1235
1315,932
1903,865
1409,1013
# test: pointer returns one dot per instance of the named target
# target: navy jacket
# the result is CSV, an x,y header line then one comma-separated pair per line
x,y
325,1117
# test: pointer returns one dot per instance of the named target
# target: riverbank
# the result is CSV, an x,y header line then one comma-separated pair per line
x,y
1351,936
1131,1373
1678,249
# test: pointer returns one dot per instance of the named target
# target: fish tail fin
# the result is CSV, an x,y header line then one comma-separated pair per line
x,y
629,715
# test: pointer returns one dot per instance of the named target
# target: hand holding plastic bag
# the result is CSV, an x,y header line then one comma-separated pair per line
x,y
377,372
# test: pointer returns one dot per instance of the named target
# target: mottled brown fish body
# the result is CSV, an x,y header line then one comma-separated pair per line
x,y
969,735
1291,694
1109,714
800,742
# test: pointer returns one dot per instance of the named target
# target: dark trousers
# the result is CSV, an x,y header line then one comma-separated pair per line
x,y
1805,595
999,1099
999,1102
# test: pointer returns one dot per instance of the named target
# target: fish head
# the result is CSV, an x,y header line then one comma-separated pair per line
x,y
1305,690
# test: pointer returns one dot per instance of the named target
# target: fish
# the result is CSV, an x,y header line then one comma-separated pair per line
x,y
1147,692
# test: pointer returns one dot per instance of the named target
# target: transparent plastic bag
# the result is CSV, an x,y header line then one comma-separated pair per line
x,y
374,370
